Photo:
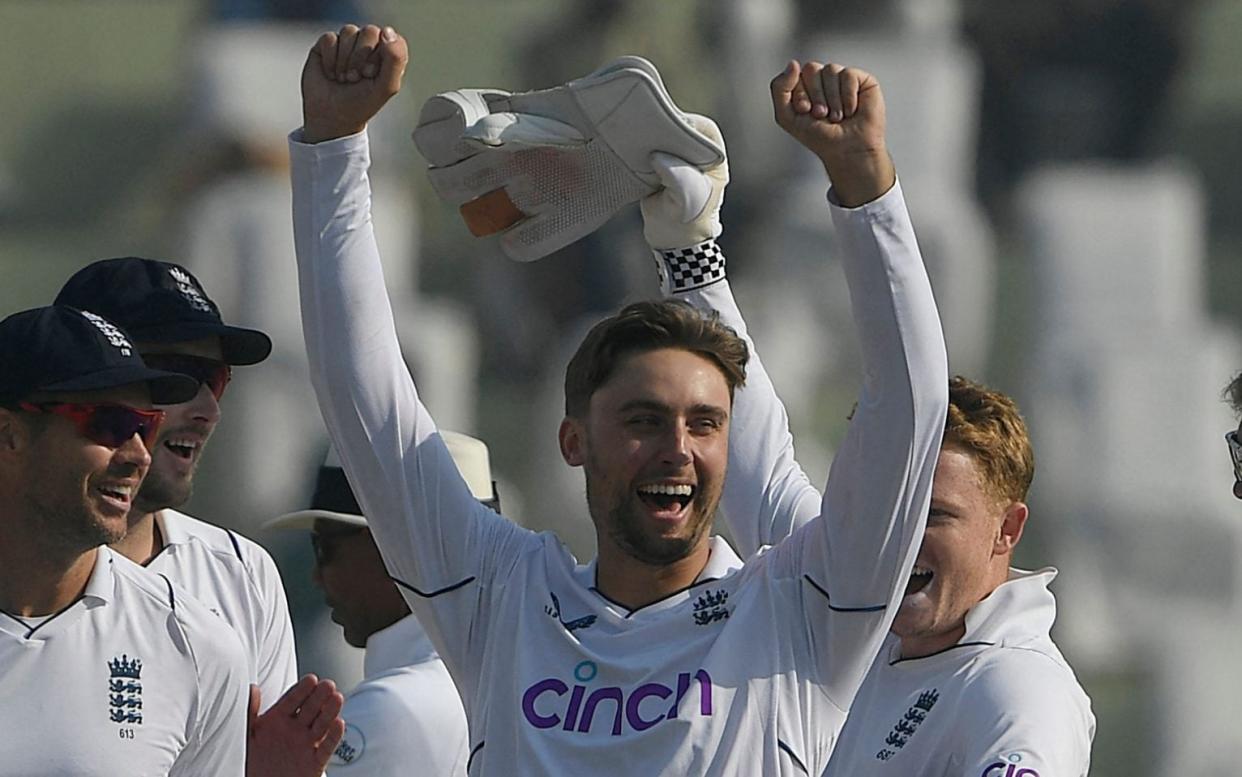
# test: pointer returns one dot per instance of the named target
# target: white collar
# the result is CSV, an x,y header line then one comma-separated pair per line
x,y
172,526
100,585
721,560
1018,610
401,644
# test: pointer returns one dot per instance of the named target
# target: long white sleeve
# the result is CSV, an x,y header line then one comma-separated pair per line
x,y
766,494
875,503
439,543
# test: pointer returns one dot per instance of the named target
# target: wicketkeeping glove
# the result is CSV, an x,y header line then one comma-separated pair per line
x,y
549,167
681,221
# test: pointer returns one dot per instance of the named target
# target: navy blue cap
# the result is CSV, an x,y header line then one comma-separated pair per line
x,y
59,348
159,302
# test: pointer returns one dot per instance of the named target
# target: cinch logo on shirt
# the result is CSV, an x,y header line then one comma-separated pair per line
x,y
1010,769
544,704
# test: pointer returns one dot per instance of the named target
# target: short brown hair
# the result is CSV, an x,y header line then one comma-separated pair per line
x,y
986,424
1233,394
647,326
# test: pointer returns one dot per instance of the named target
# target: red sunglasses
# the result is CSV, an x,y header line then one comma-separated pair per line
x,y
213,374
109,425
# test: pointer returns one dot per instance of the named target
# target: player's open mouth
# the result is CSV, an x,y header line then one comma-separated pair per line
x,y
119,494
182,449
919,578
666,497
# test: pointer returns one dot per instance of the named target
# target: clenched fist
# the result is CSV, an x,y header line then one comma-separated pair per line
x,y
838,113
348,77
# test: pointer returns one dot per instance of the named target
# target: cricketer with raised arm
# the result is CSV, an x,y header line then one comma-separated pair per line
x,y
665,654
969,682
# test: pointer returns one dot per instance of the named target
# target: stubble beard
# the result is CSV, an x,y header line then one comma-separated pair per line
x,y
651,550
159,491
74,528
625,517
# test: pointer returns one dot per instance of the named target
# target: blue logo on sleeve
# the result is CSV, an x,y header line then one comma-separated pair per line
x,y
351,748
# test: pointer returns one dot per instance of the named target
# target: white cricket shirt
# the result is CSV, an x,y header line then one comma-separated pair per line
x,y
405,712
237,579
1003,702
134,678
750,670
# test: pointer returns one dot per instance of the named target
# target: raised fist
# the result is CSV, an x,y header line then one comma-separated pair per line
x,y
348,77
838,113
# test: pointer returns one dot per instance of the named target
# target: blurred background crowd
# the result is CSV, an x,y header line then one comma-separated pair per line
x,y
1073,167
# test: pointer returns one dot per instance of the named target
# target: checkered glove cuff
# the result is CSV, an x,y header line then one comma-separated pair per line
x,y
687,269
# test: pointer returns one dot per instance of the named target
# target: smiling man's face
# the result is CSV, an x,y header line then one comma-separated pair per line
x,y
654,446
80,492
963,558
184,434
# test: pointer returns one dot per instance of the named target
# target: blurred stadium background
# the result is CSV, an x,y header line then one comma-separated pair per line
x,y
1074,168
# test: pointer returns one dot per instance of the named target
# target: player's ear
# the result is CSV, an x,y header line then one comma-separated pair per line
x,y
573,442
1012,524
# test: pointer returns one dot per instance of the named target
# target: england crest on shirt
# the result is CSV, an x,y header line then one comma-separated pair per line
x,y
125,689
908,723
711,607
